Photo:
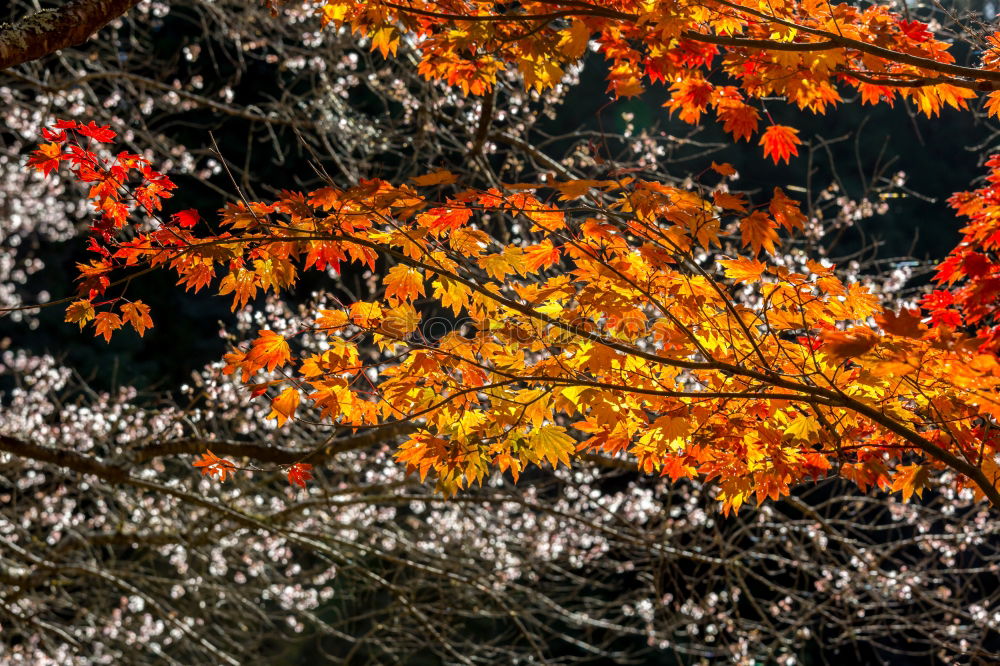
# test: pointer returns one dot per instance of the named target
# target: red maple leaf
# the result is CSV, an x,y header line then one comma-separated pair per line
x,y
915,30
299,473
213,465
186,218
100,133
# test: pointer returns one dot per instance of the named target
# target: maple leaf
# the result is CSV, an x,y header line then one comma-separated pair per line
x,y
439,177
729,201
403,283
107,323
454,295
46,159
269,350
677,468
846,344
552,443
691,96
197,277
915,30
80,312
785,211
573,43
299,474
758,230
780,142
539,73
186,218
911,480
725,169
739,119
56,137
385,40
992,105
366,314
283,406
137,314
100,133
212,465
331,319
541,256
802,427
743,270
444,219
906,324
242,283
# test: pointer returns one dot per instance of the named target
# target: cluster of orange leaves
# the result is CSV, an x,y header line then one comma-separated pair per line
x,y
801,50
599,332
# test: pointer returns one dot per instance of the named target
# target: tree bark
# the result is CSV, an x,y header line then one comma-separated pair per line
x,y
49,30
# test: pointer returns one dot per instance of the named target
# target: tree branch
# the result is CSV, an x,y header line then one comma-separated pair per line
x,y
49,30
273,454
69,459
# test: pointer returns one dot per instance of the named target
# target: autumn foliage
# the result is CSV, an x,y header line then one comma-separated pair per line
x,y
609,325
971,272
805,51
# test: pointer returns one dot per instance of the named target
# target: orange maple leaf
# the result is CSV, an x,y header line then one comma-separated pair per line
x,y
269,350
845,344
403,284
739,119
137,314
743,270
284,405
725,169
758,230
541,256
439,177
786,211
106,323
213,465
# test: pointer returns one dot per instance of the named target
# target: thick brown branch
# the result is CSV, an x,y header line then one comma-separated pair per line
x,y
273,454
768,44
69,459
47,31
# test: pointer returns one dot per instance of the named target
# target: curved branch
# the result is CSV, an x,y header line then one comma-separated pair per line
x,y
966,77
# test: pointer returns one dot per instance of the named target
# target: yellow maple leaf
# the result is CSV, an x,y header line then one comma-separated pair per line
x,y
80,312
403,284
743,270
911,480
